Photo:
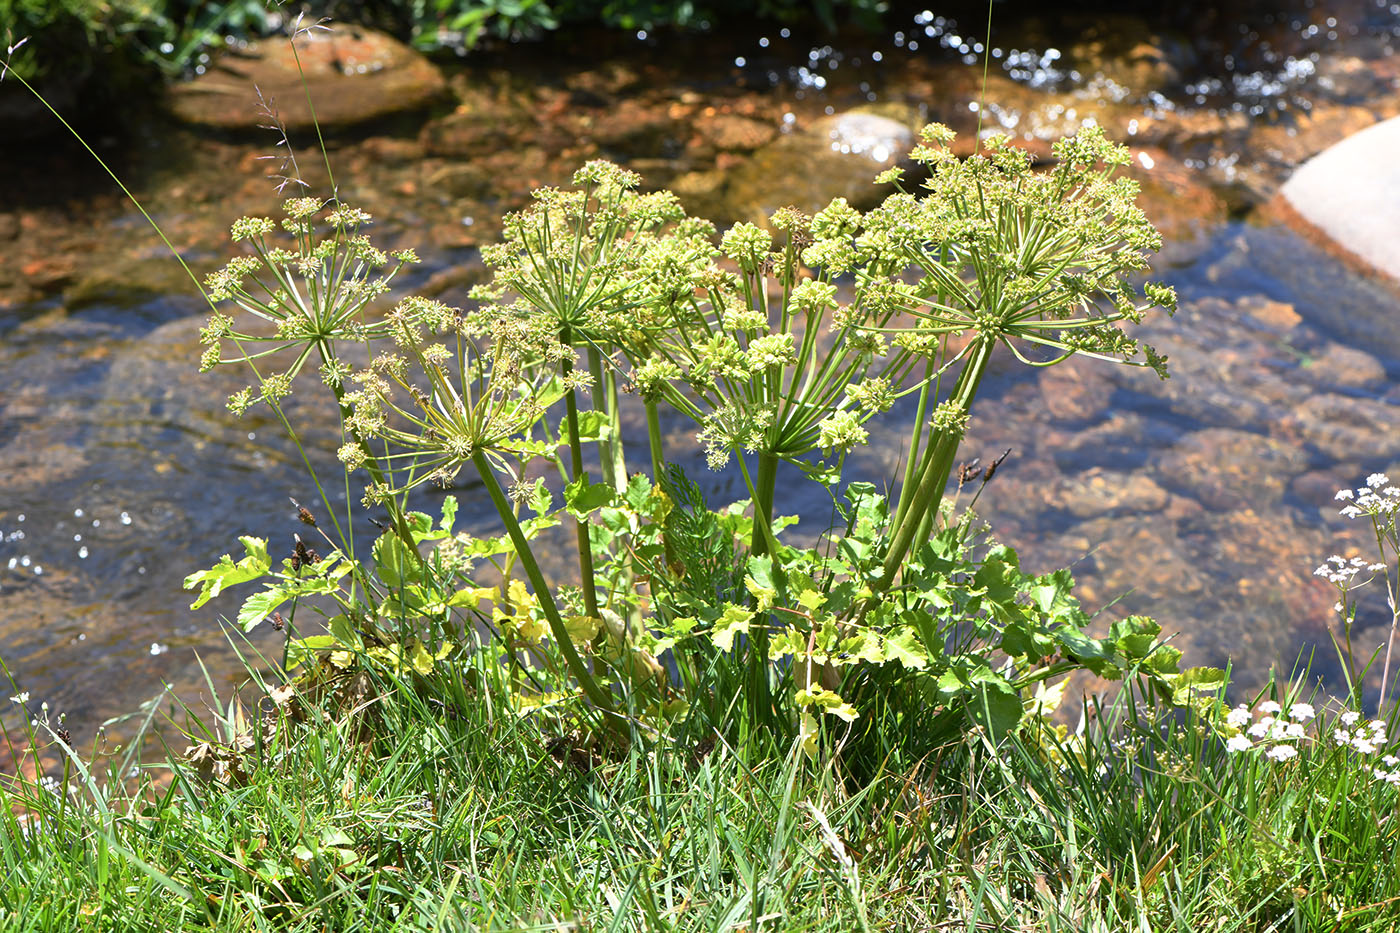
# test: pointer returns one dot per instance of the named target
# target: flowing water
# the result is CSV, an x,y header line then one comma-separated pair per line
x,y
1205,501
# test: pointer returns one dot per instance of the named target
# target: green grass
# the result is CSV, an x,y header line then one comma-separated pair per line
x,y
435,807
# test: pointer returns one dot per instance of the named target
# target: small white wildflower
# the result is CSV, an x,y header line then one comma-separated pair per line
x,y
1390,761
1238,743
1376,725
1377,480
1260,728
21,698
1350,717
1237,717
1294,730
1363,746
1350,511
158,649
1341,736
1337,607
1344,494
1282,752
1302,712
1270,707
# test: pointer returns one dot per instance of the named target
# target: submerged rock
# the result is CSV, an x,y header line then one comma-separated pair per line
x,y
837,156
353,74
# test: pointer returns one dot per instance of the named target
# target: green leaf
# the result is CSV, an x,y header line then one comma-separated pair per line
x,y
471,596
907,648
732,621
582,499
344,631
592,426
392,562
449,514
995,705
420,525
259,606
1195,681
226,573
638,495
541,500
999,578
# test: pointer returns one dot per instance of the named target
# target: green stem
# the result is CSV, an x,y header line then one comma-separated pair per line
x,y
595,692
658,461
579,475
915,442
762,492
933,479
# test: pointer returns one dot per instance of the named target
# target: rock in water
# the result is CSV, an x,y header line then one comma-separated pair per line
x,y
1351,193
353,75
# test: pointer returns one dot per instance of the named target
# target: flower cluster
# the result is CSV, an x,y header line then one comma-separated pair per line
x,y
1276,731
1376,498
1280,734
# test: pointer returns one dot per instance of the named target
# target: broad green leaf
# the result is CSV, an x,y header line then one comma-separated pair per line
x,y
418,657
592,426
582,499
392,562
1197,680
582,628
259,606
471,596
449,514
995,705
344,631
827,701
226,573
732,621
907,648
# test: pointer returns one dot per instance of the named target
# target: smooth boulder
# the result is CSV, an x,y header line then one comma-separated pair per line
x,y
1351,193
352,74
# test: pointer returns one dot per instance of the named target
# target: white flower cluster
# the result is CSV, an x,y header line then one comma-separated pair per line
x,y
1367,739
1377,497
1339,571
1278,732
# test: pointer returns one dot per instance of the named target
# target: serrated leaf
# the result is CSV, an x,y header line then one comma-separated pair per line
x,y
907,648
226,573
259,606
418,657
449,514
471,596
734,620
582,499
582,628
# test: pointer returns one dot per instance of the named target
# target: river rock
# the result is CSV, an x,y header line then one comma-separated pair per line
x,y
1343,367
1351,193
1227,469
1346,428
1100,492
353,75
837,156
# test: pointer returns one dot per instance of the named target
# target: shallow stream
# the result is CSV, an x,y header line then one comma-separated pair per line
x,y
1205,501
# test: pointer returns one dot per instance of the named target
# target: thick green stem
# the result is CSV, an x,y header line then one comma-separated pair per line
x,y
595,692
609,445
933,478
912,463
579,475
762,492
658,460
